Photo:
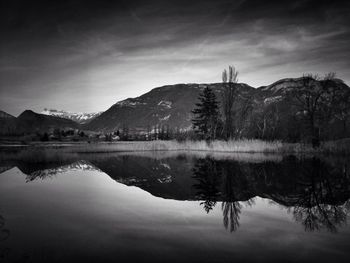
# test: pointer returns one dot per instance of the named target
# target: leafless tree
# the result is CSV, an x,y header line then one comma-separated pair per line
x,y
268,121
229,80
338,100
310,100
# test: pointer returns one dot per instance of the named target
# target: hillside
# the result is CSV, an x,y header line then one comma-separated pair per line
x,y
79,117
7,123
29,121
168,105
267,112
5,115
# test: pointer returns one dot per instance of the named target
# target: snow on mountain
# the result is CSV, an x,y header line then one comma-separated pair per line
x,y
79,117
272,99
81,165
166,104
130,103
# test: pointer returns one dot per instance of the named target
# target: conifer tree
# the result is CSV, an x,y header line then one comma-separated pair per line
x,y
206,115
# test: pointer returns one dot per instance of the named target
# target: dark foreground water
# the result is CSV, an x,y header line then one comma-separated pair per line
x,y
174,208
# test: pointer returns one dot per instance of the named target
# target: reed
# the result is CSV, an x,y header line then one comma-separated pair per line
x,y
341,147
235,146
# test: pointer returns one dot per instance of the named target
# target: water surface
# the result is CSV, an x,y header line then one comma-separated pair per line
x,y
174,208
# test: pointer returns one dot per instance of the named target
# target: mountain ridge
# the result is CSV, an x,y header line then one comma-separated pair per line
x,y
30,121
170,106
166,105
79,117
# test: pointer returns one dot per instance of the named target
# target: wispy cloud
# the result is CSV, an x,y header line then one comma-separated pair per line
x,y
85,57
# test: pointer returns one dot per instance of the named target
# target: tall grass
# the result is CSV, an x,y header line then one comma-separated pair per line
x,y
234,146
341,147
243,146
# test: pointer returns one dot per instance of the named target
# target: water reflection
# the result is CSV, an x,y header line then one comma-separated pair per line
x,y
4,235
210,175
206,172
314,191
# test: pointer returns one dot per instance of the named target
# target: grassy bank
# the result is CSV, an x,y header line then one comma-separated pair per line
x,y
341,147
241,146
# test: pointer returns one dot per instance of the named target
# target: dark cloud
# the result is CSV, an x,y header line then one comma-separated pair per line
x,y
84,55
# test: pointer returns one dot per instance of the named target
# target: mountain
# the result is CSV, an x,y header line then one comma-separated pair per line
x,y
7,123
29,121
80,117
283,109
5,115
267,112
169,105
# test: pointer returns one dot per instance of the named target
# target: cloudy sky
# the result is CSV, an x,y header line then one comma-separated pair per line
x,y
81,56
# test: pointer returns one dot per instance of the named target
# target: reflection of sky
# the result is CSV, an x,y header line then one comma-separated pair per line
x,y
88,213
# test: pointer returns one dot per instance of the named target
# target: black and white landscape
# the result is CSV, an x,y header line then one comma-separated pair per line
x,y
174,131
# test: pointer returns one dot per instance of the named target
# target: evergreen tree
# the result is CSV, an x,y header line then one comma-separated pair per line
x,y
206,115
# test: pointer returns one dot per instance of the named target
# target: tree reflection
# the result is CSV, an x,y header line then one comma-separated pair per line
x,y
231,211
314,192
320,205
215,182
321,216
207,173
231,208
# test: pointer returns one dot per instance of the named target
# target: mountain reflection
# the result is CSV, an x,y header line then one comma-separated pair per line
x,y
4,235
314,191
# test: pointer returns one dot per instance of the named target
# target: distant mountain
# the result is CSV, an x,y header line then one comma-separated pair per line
x,y
29,121
5,115
80,117
168,105
267,112
7,123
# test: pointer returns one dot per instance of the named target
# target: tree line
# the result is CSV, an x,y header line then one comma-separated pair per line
x,y
317,109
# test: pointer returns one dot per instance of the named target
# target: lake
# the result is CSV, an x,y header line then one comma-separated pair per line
x,y
174,207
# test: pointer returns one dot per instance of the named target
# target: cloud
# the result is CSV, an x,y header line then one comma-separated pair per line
x,y
107,51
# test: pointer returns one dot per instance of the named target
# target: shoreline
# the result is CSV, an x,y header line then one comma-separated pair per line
x,y
339,147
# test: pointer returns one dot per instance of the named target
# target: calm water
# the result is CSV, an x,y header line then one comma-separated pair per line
x,y
174,208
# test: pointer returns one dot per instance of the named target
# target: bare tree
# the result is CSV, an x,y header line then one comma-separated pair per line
x,y
310,100
337,101
228,98
341,110
268,121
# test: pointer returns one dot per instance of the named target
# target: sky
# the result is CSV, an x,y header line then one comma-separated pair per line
x,y
84,56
